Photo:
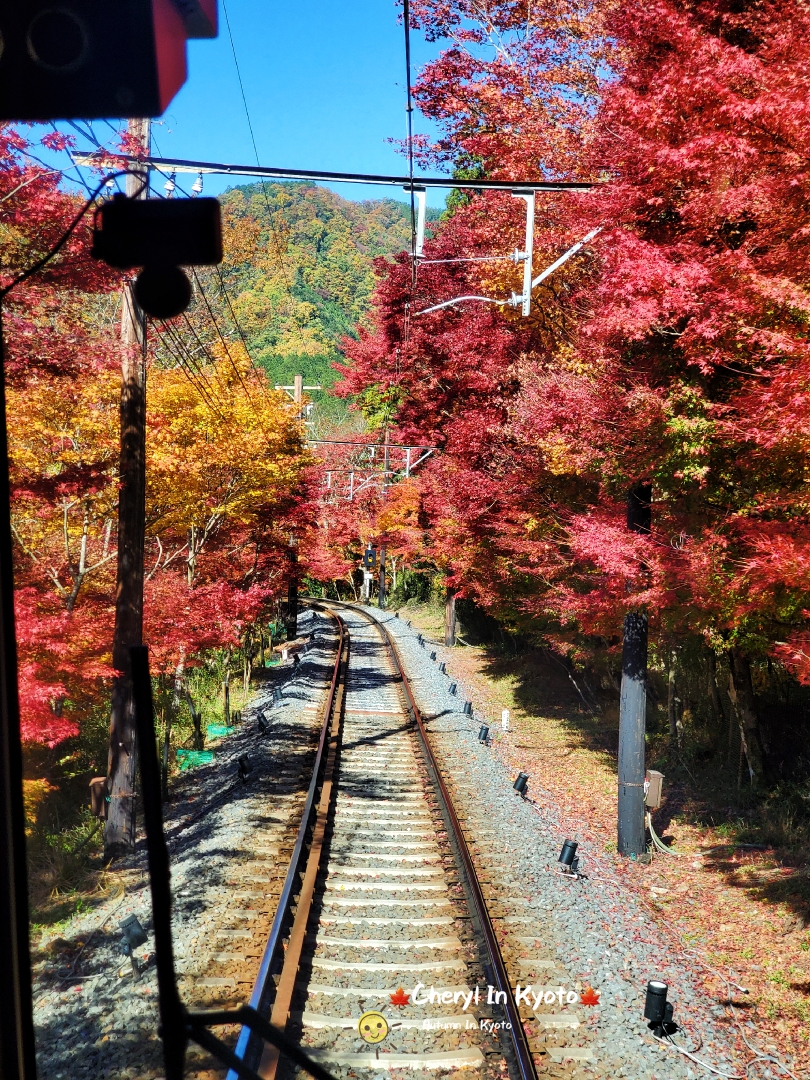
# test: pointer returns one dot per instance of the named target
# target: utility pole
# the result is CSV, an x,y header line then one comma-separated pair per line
x,y
386,468
450,618
119,831
633,703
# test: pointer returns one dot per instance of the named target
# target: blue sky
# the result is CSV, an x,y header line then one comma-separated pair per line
x,y
325,87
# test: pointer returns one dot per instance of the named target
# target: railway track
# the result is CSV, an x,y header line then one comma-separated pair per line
x,y
382,911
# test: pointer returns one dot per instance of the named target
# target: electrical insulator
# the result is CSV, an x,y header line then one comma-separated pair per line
x,y
197,187
169,186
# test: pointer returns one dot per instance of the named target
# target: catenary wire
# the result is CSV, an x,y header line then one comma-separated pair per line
x,y
175,350
222,339
279,257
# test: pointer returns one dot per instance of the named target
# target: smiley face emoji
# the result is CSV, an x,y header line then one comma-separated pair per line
x,y
373,1027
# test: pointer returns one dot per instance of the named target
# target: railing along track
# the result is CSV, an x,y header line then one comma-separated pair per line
x,y
273,992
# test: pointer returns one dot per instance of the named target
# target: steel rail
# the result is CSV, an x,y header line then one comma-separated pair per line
x,y
249,1045
523,1055
268,1065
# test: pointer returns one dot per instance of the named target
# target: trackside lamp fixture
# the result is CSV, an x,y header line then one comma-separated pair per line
x,y
134,936
568,860
159,236
657,1010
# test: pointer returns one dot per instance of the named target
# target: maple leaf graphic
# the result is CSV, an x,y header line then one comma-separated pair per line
x,y
589,996
400,997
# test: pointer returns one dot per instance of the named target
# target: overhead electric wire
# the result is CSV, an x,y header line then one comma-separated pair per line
x,y
240,331
208,307
186,368
378,179
183,347
272,223
222,339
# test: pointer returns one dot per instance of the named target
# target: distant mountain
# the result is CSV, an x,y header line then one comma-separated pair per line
x,y
303,272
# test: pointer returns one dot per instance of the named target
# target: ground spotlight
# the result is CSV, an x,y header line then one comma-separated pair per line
x,y
433,655
245,767
467,710
134,936
568,858
521,784
277,695
483,734
452,688
421,640
657,1010
443,668
263,723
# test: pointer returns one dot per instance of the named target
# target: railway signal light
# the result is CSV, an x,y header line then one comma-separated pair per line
x,y
91,59
369,558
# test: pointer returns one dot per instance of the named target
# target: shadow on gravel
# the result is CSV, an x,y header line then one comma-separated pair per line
x,y
376,740
542,688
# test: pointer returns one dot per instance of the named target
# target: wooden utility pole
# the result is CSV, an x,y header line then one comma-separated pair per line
x,y
633,704
119,832
450,618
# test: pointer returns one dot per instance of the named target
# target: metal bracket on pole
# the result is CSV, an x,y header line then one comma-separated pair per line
x,y
564,258
525,299
420,196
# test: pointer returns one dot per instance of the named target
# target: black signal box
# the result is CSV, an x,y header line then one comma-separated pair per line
x,y
93,59
369,558
158,232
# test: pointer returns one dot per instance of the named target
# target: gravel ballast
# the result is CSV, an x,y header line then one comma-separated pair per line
x,y
594,931
229,845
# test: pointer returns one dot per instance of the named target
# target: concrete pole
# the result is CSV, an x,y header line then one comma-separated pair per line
x,y
633,702
381,594
292,592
